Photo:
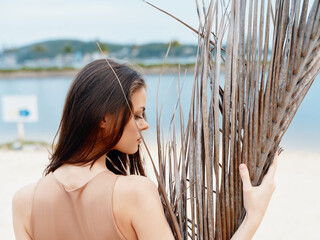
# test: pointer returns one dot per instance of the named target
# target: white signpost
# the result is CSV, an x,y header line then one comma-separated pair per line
x,y
20,109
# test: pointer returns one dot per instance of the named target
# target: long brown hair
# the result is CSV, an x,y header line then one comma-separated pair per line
x,y
95,93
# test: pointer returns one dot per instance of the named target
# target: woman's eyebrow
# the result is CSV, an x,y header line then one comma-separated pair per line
x,y
140,109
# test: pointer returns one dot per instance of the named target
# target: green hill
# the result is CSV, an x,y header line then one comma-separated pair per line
x,y
50,49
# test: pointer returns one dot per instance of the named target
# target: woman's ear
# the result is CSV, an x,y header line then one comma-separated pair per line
x,y
103,123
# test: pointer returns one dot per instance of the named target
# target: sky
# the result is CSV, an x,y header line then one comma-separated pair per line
x,y
118,21
25,22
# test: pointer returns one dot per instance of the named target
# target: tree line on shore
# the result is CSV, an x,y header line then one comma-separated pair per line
x,y
52,48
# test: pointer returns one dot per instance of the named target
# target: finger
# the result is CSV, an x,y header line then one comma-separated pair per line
x,y
280,150
245,177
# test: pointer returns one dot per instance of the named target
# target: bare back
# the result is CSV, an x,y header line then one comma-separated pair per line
x,y
131,211
81,213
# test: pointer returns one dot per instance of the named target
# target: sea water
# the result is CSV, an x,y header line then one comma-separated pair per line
x,y
303,133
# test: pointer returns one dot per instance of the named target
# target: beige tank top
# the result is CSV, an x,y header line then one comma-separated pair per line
x,y
84,213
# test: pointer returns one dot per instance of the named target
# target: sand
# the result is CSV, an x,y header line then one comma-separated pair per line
x,y
17,168
293,213
294,210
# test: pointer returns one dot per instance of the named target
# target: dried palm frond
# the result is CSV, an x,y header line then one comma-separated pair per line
x,y
241,119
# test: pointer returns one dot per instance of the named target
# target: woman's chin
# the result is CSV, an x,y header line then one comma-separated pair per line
x,y
128,150
131,151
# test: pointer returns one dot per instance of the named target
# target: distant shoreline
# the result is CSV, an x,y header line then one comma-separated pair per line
x,y
37,74
41,73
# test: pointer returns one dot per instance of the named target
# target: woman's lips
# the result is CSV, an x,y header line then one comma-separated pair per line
x,y
139,140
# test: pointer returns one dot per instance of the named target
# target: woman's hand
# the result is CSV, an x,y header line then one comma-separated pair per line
x,y
256,200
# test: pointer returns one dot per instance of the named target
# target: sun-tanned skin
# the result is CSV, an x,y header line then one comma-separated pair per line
x,y
137,207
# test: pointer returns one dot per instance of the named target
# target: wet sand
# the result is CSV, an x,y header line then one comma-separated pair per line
x,y
293,213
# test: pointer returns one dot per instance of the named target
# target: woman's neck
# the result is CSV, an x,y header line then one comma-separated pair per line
x,y
100,163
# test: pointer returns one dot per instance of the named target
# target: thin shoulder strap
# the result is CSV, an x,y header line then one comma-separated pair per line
x,y
32,207
113,216
111,198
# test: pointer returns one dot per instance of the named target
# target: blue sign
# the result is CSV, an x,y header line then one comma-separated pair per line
x,y
19,108
24,113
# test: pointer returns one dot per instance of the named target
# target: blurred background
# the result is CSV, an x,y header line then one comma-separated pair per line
x,y
44,43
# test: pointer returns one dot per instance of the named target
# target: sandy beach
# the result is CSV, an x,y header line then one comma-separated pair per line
x,y
294,211
152,70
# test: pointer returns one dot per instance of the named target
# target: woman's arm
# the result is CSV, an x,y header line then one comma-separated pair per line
x,y
256,200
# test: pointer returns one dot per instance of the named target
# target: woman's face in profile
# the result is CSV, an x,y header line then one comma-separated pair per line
x,y
130,139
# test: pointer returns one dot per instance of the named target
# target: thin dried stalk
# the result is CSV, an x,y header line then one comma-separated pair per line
x,y
255,106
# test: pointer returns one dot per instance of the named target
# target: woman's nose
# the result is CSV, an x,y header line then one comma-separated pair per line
x,y
144,125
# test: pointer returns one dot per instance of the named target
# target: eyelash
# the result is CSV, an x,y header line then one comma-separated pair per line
x,y
138,117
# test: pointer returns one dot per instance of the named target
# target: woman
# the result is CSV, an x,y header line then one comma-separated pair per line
x,y
95,186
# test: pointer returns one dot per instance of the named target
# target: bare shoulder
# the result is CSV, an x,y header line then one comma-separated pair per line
x,y
129,195
136,186
134,192
21,211
23,196
137,201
